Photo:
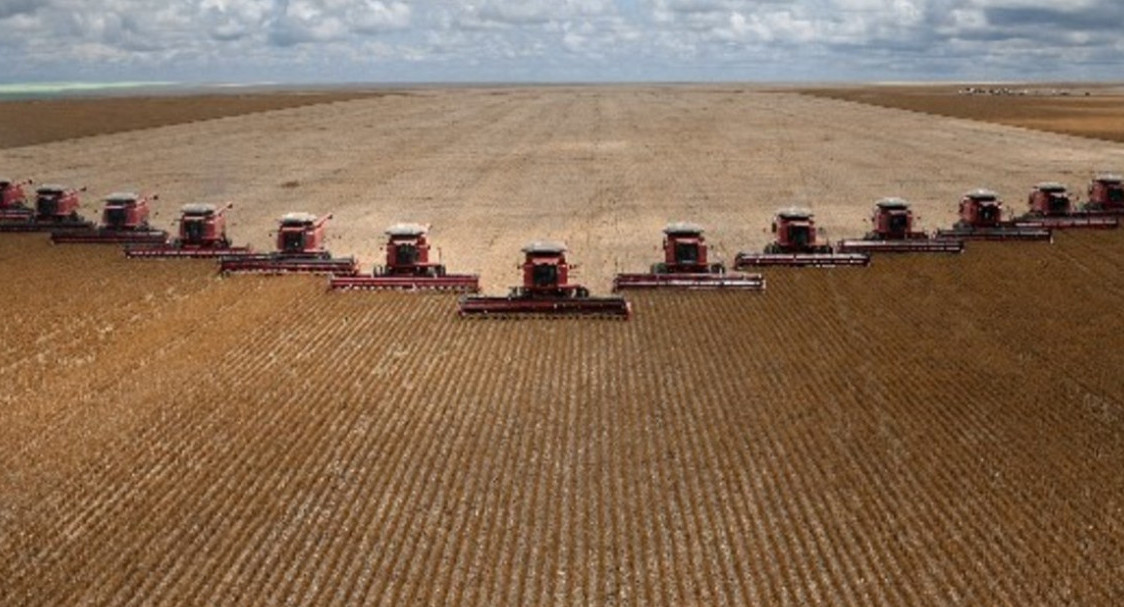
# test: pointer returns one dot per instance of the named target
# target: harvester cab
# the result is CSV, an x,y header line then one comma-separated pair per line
x,y
407,251
1106,193
981,209
301,234
796,243
546,291
300,250
893,220
1049,199
685,250
408,267
203,225
795,231
11,194
125,211
686,266
55,203
546,272
13,202
892,232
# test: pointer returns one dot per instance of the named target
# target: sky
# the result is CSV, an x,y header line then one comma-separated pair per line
x,y
307,41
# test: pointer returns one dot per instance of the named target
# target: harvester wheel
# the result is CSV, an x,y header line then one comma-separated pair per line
x,y
717,268
581,292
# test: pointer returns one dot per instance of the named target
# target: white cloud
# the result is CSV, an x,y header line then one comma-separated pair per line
x,y
658,39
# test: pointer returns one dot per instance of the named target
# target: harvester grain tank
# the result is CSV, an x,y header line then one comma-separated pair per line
x,y
797,243
408,266
300,250
686,266
200,232
892,231
1050,207
124,221
56,207
13,202
981,218
546,292
1106,194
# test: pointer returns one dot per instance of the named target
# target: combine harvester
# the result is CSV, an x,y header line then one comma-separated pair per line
x,y
797,245
124,221
56,207
1051,208
408,267
201,232
300,250
546,292
892,232
685,266
981,214
1106,195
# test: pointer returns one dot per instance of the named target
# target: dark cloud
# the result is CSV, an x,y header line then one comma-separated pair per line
x,y
10,8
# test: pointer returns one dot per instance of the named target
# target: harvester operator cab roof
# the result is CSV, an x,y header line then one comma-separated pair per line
x,y
542,248
50,190
406,230
892,204
794,214
683,228
127,199
1110,178
982,196
198,210
1051,187
297,219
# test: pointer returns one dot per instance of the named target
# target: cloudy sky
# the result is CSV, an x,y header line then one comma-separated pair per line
x,y
559,40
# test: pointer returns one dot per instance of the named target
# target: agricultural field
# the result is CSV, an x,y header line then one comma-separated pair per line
x,y
928,430
1088,110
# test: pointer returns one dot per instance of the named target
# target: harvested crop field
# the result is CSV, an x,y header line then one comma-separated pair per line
x,y
928,430
1095,111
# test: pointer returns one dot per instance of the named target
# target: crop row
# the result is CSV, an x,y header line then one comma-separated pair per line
x,y
905,434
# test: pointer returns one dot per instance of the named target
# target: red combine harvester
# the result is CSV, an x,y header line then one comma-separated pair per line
x,y
1106,194
981,218
797,244
1050,208
685,266
124,221
408,266
546,292
300,250
56,207
892,232
14,206
201,233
